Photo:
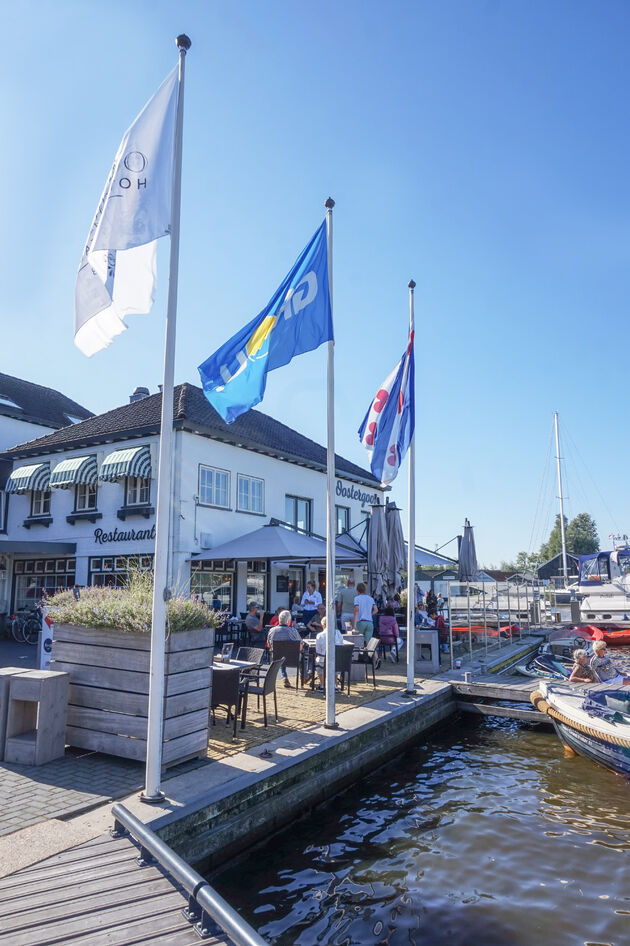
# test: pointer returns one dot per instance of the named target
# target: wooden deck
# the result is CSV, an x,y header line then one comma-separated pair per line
x,y
95,895
495,690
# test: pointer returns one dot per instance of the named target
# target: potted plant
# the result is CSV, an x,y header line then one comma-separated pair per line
x,y
102,639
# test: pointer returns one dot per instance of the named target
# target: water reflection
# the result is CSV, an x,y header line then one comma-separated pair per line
x,y
484,836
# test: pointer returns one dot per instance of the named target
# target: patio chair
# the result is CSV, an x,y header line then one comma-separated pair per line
x,y
369,658
226,691
290,650
254,655
267,685
343,663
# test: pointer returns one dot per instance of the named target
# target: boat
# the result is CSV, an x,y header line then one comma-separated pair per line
x,y
552,660
603,590
614,636
592,719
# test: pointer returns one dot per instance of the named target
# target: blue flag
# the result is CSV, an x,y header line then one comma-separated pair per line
x,y
388,426
297,319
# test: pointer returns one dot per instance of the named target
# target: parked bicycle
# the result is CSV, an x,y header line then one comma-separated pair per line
x,y
26,625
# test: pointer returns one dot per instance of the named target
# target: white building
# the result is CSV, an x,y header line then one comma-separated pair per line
x,y
27,410
88,493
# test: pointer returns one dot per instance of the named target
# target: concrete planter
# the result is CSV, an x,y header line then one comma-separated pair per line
x,y
109,690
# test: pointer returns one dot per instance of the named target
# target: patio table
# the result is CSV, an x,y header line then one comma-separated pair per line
x,y
243,666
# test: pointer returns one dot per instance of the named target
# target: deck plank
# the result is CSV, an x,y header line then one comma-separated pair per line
x,y
94,895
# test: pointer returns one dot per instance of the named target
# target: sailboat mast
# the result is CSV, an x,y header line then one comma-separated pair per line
x,y
564,543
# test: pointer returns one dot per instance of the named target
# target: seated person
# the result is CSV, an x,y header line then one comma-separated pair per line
x,y
284,631
320,649
581,672
420,616
314,626
440,623
254,619
276,618
604,668
389,632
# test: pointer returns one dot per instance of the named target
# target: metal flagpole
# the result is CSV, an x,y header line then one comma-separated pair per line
x,y
161,593
330,496
411,527
562,535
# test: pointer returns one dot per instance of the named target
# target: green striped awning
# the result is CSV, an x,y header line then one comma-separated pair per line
x,y
133,461
74,470
35,476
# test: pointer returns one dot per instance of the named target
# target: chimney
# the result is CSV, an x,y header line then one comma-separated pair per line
x,y
138,394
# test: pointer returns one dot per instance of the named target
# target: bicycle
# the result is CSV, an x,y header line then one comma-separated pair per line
x,y
25,627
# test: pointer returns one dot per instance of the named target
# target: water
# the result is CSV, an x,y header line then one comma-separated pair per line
x,y
482,835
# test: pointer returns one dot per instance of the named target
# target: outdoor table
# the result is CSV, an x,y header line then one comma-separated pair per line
x,y
243,666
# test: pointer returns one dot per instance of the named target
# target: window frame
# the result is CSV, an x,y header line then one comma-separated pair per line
x,y
42,498
293,522
346,511
134,490
246,477
90,490
228,487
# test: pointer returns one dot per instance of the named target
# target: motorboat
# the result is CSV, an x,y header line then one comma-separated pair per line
x,y
603,589
591,719
553,660
614,636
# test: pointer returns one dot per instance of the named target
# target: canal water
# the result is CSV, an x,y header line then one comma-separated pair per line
x,y
483,834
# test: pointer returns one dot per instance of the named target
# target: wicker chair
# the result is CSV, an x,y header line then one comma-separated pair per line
x,y
290,650
267,685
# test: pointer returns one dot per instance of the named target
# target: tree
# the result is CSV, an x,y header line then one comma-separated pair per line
x,y
582,537
553,545
527,562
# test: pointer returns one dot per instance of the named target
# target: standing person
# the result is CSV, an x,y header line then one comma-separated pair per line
x,y
430,601
284,632
309,602
389,632
364,611
345,603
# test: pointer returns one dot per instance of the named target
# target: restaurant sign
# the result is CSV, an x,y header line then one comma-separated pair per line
x,y
351,492
123,535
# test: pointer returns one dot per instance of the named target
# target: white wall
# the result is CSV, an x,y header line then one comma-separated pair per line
x,y
13,431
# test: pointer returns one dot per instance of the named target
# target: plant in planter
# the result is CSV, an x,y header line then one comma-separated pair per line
x,y
102,639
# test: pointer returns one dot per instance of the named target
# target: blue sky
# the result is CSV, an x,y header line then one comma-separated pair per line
x,y
479,147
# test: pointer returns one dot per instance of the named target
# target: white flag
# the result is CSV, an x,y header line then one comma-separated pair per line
x,y
117,274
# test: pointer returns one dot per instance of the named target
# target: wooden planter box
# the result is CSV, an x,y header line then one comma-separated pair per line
x,y
109,690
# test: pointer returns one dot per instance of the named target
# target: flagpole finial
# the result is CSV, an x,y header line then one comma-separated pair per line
x,y
183,42
329,204
411,284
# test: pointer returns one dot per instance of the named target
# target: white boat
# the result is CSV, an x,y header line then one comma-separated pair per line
x,y
603,589
593,720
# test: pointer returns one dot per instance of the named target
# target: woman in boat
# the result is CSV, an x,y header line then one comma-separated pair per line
x,y
581,672
604,668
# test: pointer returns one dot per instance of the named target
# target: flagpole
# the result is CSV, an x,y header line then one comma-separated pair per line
x,y
411,527
330,493
161,593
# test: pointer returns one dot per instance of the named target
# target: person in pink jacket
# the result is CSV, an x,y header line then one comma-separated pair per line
x,y
389,632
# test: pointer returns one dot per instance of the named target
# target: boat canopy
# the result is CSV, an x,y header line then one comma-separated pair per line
x,y
602,567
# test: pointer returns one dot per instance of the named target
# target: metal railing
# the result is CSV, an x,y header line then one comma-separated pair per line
x,y
205,906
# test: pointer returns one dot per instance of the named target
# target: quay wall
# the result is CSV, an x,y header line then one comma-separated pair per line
x,y
226,820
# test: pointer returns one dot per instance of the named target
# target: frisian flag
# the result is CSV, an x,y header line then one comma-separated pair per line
x,y
388,426
117,273
297,319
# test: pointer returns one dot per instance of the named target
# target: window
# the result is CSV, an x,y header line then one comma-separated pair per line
x,y
214,487
114,572
84,497
40,502
255,588
215,588
251,494
138,491
297,512
36,576
343,518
